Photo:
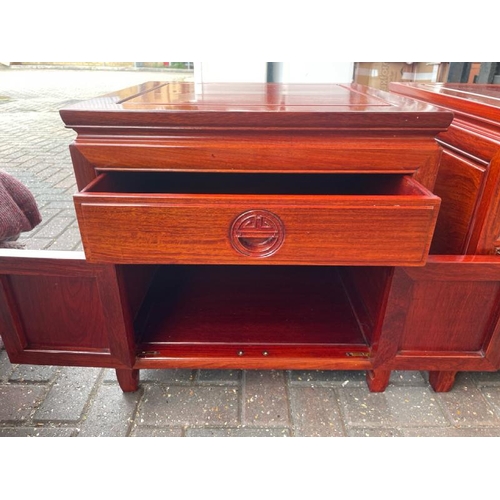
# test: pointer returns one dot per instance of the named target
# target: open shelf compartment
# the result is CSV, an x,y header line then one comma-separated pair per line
x,y
261,316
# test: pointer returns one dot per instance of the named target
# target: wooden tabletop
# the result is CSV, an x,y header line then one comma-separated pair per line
x,y
254,105
479,100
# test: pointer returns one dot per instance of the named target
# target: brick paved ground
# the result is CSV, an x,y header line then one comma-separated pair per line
x,y
58,401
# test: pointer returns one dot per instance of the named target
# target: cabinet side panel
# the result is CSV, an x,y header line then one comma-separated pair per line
x,y
485,234
367,291
136,282
59,312
458,185
450,316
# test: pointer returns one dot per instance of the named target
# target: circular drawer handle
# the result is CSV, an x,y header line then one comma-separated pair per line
x,y
257,233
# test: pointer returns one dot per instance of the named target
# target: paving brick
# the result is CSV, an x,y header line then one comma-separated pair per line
x,y
35,243
68,240
467,406
37,432
193,406
452,432
67,183
404,378
492,397
157,432
487,379
47,214
178,376
373,432
59,205
225,377
17,401
396,407
328,378
68,396
32,373
5,366
54,227
238,432
265,399
316,412
111,412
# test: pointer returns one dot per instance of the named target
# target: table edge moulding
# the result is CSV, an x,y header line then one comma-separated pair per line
x,y
254,226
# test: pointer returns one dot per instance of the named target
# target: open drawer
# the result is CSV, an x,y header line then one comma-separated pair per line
x,y
311,219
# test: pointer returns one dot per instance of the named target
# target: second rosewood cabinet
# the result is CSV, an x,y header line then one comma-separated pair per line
x,y
461,280
236,226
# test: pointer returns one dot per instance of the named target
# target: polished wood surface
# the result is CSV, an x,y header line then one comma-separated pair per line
x,y
287,305
442,381
326,128
236,316
323,189
459,185
477,102
258,105
460,331
469,184
448,314
132,221
56,308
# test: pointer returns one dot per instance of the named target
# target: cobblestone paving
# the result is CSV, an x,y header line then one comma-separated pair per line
x,y
51,401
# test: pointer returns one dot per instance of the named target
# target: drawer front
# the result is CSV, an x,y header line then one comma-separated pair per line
x,y
256,229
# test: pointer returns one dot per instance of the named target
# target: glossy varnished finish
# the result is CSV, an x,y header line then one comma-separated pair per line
x,y
255,127
447,317
172,105
460,183
323,189
478,103
258,150
56,308
352,226
473,140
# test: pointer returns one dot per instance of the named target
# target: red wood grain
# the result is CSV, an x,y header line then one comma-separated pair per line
x,y
442,381
459,185
164,170
474,135
448,315
145,227
56,308
174,105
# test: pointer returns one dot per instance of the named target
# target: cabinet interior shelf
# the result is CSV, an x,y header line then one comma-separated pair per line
x,y
249,310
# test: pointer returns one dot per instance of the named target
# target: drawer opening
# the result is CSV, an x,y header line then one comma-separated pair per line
x,y
117,183
261,311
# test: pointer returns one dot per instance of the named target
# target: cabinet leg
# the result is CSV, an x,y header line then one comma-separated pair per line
x,y
378,380
128,380
442,381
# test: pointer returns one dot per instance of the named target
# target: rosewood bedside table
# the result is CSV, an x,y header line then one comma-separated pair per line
x,y
233,226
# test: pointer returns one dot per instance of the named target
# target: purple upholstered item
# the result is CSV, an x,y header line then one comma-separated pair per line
x,y
18,209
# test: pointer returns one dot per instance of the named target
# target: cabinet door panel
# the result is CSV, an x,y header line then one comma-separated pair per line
x,y
55,308
448,316
70,302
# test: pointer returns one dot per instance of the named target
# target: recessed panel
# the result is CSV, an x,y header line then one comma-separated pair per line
x,y
450,316
60,312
